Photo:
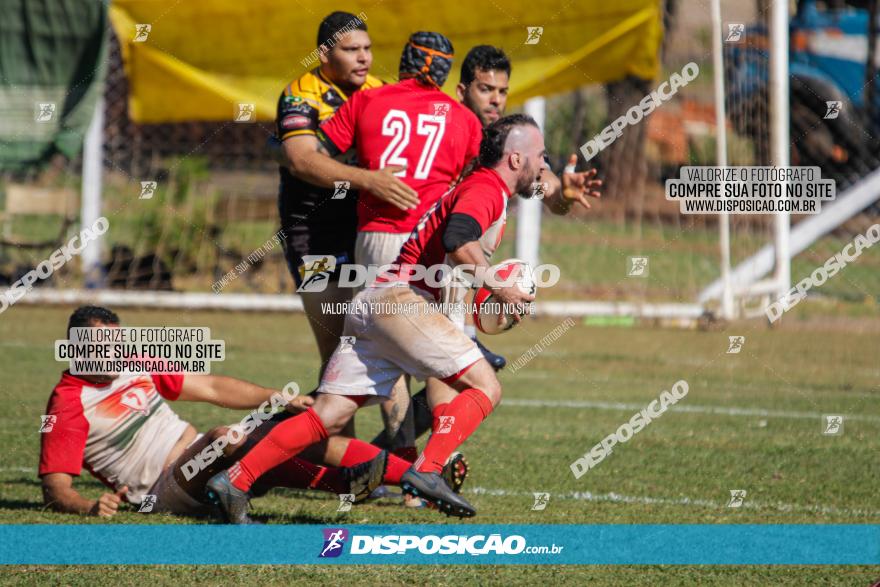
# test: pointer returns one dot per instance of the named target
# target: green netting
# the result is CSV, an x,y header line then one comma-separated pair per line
x,y
52,65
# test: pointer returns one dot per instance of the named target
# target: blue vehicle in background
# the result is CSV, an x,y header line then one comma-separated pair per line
x,y
834,88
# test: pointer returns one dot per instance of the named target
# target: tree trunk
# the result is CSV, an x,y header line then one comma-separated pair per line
x,y
623,161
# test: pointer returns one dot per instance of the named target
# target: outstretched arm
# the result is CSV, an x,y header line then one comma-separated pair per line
x,y
228,392
574,188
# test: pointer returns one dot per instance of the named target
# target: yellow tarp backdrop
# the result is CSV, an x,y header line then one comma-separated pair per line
x,y
203,57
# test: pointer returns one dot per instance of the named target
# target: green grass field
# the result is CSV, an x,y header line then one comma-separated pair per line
x,y
751,421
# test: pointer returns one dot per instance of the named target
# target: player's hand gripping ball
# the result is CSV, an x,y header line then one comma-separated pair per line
x,y
492,316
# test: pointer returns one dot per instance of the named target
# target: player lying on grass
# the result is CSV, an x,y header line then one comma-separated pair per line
x,y
122,430
465,228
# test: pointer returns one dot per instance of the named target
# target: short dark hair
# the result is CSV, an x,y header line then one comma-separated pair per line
x,y
335,22
495,135
486,58
85,316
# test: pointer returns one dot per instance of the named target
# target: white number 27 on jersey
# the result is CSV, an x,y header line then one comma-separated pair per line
x,y
397,125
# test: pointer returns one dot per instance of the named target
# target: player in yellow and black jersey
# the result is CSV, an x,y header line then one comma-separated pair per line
x,y
320,224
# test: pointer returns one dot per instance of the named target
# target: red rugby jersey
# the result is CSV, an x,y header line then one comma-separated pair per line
x,y
407,123
121,432
482,195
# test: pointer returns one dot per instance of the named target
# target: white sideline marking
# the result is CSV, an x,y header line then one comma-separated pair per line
x,y
537,403
617,498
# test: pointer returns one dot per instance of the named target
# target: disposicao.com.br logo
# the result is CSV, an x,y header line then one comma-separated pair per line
x,y
334,540
476,545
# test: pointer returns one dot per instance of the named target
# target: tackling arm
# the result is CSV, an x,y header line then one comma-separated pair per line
x,y
309,160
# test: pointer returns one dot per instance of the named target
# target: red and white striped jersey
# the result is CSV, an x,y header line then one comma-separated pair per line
x,y
121,432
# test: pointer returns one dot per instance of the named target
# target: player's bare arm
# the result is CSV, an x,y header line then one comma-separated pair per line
x,y
574,188
59,494
311,162
231,393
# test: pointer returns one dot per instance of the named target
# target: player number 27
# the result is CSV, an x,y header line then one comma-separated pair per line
x,y
397,125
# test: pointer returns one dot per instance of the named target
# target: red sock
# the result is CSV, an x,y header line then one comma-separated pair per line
x,y
438,411
286,440
301,474
359,451
462,416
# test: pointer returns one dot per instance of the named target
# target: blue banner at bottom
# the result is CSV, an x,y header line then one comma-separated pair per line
x,y
747,544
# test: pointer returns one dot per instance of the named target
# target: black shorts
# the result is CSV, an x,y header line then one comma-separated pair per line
x,y
314,223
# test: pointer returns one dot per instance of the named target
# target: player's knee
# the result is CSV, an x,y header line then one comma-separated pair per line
x,y
496,393
334,421
481,376
334,426
491,387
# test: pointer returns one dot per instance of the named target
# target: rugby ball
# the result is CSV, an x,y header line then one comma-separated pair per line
x,y
487,308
